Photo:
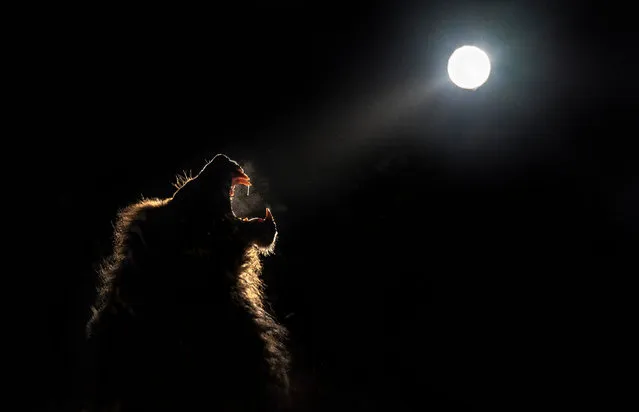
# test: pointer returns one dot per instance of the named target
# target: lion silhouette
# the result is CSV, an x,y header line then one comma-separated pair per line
x,y
180,321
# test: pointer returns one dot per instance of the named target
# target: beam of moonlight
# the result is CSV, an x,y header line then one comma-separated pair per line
x,y
469,67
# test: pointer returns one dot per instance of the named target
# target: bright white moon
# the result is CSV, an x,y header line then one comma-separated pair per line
x,y
468,67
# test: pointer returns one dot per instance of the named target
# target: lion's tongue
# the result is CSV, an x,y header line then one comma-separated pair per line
x,y
267,217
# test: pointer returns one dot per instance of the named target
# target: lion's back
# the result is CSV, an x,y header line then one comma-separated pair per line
x,y
171,327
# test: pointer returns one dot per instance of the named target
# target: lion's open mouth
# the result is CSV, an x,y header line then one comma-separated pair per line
x,y
241,178
260,230
212,192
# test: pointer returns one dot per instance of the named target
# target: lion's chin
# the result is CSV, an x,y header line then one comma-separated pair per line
x,y
259,232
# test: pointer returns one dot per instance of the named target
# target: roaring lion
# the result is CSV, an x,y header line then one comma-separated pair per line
x,y
180,321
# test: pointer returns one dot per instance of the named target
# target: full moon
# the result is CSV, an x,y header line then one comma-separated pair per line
x,y
468,67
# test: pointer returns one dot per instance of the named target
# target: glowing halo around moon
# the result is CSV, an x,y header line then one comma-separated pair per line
x,y
469,67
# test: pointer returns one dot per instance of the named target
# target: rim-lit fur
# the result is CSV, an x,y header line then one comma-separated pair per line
x,y
180,320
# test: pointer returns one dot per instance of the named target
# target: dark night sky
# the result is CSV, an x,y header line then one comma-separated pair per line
x,y
463,250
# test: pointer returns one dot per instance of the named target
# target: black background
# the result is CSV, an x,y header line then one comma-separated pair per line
x,y
460,250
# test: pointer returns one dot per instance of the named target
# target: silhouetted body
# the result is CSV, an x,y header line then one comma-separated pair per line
x,y
180,323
